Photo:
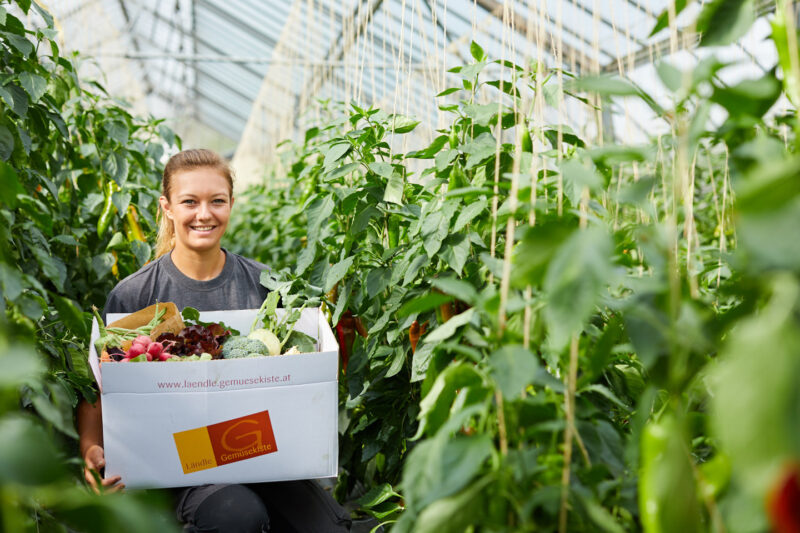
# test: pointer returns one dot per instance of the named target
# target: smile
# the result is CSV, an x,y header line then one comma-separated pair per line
x,y
202,228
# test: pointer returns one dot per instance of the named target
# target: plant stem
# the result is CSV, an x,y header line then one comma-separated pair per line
x,y
501,422
569,407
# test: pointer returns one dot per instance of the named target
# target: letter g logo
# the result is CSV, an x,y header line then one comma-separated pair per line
x,y
242,438
237,438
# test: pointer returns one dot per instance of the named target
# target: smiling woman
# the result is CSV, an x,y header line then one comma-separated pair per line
x,y
192,269
196,201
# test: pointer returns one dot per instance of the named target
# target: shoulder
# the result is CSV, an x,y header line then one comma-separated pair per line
x,y
141,277
251,265
125,295
246,274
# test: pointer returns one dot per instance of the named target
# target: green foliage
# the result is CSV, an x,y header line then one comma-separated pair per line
x,y
662,297
679,310
79,177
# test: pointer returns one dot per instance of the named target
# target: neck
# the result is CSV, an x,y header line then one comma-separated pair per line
x,y
201,266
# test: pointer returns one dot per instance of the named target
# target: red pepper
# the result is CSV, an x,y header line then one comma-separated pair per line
x,y
783,504
346,333
415,331
360,328
413,335
448,311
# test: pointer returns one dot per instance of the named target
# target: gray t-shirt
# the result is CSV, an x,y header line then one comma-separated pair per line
x,y
238,286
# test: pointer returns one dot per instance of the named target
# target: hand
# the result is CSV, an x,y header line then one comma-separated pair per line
x,y
95,459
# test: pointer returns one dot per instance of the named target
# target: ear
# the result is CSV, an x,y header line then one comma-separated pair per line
x,y
165,207
232,199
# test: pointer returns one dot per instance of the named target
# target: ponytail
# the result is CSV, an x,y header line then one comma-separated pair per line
x,y
165,241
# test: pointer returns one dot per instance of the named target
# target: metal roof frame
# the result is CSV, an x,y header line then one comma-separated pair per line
x,y
252,29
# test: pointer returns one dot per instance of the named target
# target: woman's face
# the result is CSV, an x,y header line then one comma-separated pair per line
x,y
199,206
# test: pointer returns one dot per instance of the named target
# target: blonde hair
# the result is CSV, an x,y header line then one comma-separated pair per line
x,y
181,162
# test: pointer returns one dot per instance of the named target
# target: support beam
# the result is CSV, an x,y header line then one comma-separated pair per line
x,y
215,58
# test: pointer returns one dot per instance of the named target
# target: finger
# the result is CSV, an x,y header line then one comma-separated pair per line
x,y
116,488
111,481
92,483
89,476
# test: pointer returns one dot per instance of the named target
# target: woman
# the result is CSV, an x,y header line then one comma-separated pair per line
x,y
192,269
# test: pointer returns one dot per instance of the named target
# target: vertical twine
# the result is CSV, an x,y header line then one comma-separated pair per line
x,y
513,195
498,140
527,316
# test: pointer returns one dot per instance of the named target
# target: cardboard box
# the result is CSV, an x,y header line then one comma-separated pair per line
x,y
222,421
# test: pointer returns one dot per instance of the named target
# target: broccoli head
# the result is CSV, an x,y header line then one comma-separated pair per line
x,y
238,347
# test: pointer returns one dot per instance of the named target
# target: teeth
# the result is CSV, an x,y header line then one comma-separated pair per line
x,y
203,228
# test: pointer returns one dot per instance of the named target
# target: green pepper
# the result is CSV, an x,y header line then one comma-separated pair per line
x,y
457,178
527,143
393,230
133,230
108,209
666,471
453,137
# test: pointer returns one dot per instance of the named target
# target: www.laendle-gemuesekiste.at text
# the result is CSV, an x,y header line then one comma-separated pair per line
x,y
223,384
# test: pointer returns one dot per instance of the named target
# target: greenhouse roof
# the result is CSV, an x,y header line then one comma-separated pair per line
x,y
243,72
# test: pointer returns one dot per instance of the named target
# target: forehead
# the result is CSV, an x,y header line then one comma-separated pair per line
x,y
199,182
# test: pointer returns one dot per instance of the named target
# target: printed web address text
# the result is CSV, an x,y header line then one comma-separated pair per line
x,y
223,384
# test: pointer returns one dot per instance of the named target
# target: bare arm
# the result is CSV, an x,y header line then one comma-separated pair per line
x,y
90,429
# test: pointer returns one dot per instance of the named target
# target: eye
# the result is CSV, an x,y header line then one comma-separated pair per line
x,y
188,201
220,201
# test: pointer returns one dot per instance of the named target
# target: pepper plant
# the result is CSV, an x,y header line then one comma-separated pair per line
x,y
79,177
600,383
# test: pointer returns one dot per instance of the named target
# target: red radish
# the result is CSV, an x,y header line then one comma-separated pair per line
x,y
163,356
124,360
155,349
135,350
144,340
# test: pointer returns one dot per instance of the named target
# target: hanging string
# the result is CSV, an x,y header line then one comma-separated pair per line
x,y
498,145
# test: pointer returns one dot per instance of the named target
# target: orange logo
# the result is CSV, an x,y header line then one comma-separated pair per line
x,y
225,442
230,442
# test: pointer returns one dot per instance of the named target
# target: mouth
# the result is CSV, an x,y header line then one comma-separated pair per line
x,y
203,229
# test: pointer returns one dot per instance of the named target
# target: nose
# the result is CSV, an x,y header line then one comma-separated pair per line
x,y
204,211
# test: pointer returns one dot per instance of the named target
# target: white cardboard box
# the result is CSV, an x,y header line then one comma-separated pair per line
x,y
183,424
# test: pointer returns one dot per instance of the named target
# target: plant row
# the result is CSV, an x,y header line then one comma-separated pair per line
x,y
541,331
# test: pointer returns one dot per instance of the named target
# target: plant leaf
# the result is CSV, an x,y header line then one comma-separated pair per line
x,y
337,272
724,21
513,367
448,329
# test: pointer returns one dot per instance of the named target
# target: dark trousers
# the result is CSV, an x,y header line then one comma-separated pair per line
x,y
280,507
